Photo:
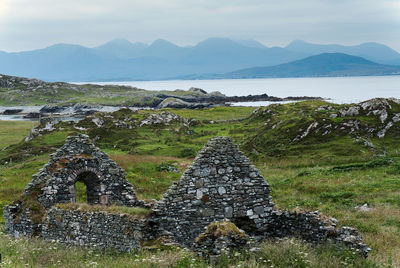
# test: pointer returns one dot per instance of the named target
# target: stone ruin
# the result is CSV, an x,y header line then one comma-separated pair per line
x,y
77,160
221,185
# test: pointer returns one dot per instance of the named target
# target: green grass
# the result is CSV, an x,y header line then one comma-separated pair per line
x,y
216,114
331,174
286,253
132,212
18,129
20,95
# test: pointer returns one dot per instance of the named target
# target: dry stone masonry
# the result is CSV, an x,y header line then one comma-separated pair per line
x,y
221,188
80,160
96,229
77,160
220,184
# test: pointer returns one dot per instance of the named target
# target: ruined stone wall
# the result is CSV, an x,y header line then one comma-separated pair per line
x,y
106,182
312,227
100,230
18,221
220,184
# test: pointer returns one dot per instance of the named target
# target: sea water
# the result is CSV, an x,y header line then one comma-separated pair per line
x,y
337,89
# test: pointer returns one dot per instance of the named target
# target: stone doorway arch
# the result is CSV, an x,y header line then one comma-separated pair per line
x,y
94,188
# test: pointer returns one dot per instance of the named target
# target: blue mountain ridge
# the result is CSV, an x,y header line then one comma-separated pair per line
x,y
120,59
325,64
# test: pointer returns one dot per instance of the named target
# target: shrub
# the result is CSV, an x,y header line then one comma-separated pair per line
x,y
188,152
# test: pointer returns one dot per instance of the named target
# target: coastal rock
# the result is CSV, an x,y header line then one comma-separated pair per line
x,y
52,109
180,104
33,115
12,111
198,90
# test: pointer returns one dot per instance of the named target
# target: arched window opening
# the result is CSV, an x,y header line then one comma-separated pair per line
x,y
80,191
87,189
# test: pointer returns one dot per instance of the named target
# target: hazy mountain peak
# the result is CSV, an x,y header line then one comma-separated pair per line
x,y
297,42
217,42
64,45
250,43
121,48
119,41
162,43
58,49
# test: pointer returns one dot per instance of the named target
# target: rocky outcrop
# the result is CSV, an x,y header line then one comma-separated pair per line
x,y
166,118
33,115
46,125
25,91
373,118
180,104
221,99
163,118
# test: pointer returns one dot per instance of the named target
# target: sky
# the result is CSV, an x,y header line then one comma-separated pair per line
x,y
33,24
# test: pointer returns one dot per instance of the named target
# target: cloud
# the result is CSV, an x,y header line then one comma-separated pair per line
x,y
27,24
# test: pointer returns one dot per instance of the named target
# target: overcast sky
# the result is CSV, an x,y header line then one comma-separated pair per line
x,y
31,24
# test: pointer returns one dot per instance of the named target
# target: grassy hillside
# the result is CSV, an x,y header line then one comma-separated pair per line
x,y
25,92
333,172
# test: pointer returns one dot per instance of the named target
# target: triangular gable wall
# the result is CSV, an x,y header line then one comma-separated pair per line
x,y
220,184
79,159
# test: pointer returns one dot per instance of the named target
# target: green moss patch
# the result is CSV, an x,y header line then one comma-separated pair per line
x,y
30,201
217,229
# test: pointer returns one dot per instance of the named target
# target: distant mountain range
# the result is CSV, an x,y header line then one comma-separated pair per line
x,y
322,65
120,60
371,51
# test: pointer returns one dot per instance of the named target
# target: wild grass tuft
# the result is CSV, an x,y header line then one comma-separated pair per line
x,y
132,212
